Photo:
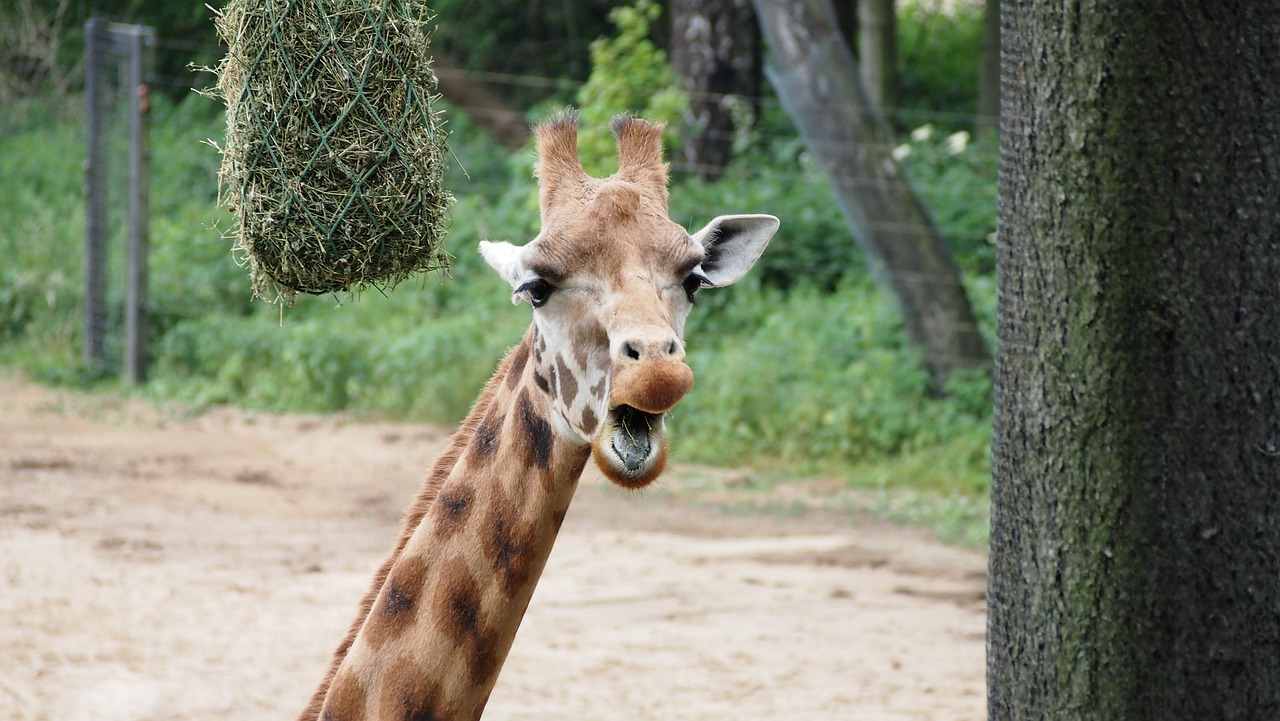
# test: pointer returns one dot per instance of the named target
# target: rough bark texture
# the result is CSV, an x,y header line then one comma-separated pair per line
x,y
878,53
1135,531
817,79
715,50
504,123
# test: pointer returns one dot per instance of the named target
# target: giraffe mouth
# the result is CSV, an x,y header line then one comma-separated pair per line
x,y
632,450
633,435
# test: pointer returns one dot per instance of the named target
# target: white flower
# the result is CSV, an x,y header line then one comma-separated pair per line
x,y
922,133
957,142
902,152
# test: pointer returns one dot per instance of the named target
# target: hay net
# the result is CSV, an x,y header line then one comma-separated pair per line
x,y
333,158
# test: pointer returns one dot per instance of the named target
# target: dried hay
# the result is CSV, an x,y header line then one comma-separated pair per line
x,y
334,159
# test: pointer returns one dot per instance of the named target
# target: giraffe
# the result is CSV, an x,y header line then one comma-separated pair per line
x,y
611,279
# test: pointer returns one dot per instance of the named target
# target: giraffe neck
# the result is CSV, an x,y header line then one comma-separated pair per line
x,y
443,612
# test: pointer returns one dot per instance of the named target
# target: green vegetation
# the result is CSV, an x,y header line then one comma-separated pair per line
x,y
628,74
803,368
939,43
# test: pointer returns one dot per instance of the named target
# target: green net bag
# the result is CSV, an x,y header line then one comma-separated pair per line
x,y
333,159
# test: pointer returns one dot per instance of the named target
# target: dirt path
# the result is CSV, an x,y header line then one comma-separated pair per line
x,y
154,567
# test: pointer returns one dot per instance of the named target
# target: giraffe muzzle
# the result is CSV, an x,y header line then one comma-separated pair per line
x,y
653,387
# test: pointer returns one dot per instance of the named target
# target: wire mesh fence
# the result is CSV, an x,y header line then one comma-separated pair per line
x,y
791,176
118,104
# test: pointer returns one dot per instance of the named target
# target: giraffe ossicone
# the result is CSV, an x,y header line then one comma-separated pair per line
x,y
611,279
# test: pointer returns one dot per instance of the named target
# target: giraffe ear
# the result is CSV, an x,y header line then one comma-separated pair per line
x,y
734,244
505,258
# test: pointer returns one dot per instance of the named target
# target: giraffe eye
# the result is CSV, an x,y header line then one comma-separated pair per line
x,y
537,291
693,282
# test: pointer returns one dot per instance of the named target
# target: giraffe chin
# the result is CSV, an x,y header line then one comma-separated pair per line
x,y
631,447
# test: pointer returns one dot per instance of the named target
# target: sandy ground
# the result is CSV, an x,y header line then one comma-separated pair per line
x,y
160,567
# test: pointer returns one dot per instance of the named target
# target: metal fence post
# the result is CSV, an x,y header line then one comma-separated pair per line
x,y
140,42
106,41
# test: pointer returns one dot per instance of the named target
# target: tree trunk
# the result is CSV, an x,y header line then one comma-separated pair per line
x,y
847,20
1135,530
503,123
817,79
878,52
715,51
989,70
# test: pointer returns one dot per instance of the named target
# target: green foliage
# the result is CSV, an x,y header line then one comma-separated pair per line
x,y
368,357
40,240
814,247
628,74
952,173
818,375
939,47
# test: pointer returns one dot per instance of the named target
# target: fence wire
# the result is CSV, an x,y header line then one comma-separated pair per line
x,y
801,172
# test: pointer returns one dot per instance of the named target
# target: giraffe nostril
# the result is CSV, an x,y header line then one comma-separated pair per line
x,y
671,349
630,351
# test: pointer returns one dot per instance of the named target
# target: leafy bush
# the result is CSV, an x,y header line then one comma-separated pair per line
x,y
819,376
814,245
41,239
939,46
954,176
628,74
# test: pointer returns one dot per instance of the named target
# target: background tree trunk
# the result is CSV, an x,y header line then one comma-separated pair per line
x,y
989,70
878,53
1135,530
817,79
715,50
504,123
847,20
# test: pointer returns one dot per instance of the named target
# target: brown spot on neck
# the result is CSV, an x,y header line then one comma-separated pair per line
x,y
519,358
536,440
508,545
456,606
568,382
346,701
541,382
484,442
393,613
589,421
452,508
413,698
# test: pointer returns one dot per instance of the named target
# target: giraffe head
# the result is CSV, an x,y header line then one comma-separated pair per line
x,y
611,279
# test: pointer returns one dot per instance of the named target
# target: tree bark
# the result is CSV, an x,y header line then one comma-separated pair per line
x,y
847,20
817,79
878,52
1135,530
503,123
989,70
715,51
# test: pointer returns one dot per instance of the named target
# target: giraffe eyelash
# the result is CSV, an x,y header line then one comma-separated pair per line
x,y
692,283
536,291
